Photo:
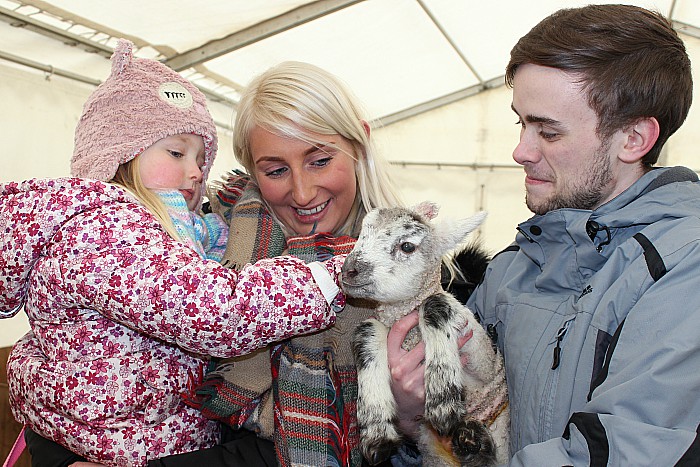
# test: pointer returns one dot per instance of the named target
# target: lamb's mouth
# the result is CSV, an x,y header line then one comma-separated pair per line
x,y
356,290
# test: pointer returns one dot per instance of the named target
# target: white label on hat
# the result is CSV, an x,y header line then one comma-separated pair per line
x,y
175,94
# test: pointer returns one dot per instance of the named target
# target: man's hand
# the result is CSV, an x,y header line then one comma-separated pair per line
x,y
408,374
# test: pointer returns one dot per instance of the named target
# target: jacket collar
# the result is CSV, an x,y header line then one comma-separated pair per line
x,y
579,241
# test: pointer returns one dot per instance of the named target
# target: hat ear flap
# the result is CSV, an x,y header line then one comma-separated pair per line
x,y
122,56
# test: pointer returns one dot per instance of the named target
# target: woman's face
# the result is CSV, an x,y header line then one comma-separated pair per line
x,y
304,183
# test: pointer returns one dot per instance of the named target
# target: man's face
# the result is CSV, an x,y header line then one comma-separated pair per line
x,y
566,164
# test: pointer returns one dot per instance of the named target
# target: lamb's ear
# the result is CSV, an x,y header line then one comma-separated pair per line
x,y
427,209
451,233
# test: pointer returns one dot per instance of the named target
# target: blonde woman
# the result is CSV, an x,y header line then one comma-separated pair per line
x,y
313,172
312,175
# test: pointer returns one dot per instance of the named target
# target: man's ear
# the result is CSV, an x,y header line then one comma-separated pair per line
x,y
641,137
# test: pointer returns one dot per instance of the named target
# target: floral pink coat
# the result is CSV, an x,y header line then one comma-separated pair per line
x,y
122,318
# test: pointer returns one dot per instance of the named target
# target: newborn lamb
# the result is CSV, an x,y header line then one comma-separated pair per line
x,y
396,262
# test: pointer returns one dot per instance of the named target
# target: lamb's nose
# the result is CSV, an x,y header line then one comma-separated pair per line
x,y
355,268
349,270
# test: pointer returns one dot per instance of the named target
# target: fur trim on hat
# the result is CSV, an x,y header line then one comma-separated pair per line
x,y
141,102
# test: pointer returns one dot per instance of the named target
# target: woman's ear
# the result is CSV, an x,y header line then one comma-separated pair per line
x,y
641,137
365,125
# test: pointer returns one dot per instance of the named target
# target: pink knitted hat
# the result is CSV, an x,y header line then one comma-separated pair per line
x,y
141,102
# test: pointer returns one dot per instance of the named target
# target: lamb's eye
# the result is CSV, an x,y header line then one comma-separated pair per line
x,y
408,247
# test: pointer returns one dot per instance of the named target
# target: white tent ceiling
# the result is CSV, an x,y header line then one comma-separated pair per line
x,y
401,57
429,72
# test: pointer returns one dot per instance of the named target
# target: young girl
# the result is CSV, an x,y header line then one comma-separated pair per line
x,y
124,305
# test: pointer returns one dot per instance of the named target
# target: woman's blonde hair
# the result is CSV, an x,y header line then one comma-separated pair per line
x,y
295,99
129,177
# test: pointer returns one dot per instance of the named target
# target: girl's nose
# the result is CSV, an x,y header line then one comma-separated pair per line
x,y
195,172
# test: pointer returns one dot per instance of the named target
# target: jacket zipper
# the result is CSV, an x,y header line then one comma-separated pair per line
x,y
556,358
549,392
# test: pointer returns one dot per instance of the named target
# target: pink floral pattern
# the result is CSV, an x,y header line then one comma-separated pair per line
x,y
122,318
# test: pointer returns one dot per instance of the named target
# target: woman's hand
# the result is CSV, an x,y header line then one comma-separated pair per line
x,y
85,464
408,373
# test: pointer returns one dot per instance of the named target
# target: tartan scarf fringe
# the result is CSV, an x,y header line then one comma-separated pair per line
x,y
219,400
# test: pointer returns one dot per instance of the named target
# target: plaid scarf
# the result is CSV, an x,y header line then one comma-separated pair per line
x,y
302,392
253,233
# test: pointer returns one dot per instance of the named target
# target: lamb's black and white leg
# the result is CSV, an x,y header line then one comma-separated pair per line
x,y
442,318
440,324
376,408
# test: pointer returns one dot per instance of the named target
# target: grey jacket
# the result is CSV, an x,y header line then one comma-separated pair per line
x,y
597,314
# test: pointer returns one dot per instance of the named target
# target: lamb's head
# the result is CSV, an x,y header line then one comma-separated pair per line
x,y
399,250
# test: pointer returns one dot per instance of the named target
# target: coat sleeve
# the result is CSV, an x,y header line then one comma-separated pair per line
x,y
119,262
645,410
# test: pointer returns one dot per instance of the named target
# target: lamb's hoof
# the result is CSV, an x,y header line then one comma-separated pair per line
x,y
443,420
376,453
445,412
472,444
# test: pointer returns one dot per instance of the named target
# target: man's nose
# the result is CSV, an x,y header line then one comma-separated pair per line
x,y
526,150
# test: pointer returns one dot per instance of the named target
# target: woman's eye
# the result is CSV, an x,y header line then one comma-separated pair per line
x,y
175,154
322,162
276,172
408,247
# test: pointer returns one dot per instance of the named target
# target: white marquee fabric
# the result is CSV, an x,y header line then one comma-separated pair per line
x,y
429,73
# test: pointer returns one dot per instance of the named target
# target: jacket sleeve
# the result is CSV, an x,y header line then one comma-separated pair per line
x,y
644,406
119,262
647,410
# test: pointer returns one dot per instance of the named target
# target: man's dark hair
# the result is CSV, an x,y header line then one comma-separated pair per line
x,y
629,60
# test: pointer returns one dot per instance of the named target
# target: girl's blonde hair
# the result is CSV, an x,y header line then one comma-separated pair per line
x,y
129,177
295,99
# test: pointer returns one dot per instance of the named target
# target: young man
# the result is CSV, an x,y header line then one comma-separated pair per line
x,y
596,304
